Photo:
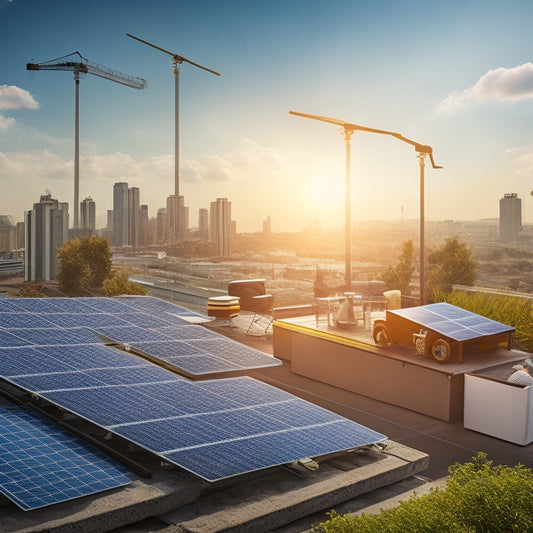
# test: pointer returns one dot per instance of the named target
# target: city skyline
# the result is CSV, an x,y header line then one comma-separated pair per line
x,y
456,77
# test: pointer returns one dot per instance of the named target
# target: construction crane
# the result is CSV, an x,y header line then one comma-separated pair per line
x,y
76,63
176,61
421,149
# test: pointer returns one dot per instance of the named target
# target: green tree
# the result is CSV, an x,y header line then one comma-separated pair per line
x,y
85,262
99,258
399,276
32,289
74,274
450,264
119,283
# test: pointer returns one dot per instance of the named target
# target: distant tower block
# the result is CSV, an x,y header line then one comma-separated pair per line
x,y
510,217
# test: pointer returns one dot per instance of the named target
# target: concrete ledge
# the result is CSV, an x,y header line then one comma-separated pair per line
x,y
261,506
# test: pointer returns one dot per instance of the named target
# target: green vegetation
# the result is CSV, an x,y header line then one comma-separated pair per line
x,y
119,283
515,311
86,265
479,498
399,276
450,264
32,289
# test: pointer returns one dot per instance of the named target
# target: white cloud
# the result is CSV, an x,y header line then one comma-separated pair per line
x,y
501,84
249,161
12,97
6,122
522,159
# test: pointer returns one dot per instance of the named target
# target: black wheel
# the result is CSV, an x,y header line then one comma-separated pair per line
x,y
381,334
440,350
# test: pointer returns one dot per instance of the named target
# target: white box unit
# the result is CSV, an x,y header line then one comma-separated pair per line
x,y
498,409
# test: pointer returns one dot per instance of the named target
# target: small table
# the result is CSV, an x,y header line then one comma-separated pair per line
x,y
328,301
223,307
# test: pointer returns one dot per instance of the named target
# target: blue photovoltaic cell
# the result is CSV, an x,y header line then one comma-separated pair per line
x,y
71,305
8,339
207,356
193,424
108,406
41,464
131,334
28,360
106,305
143,320
9,305
84,379
90,356
151,304
452,321
237,456
91,320
188,332
23,320
168,349
56,336
38,305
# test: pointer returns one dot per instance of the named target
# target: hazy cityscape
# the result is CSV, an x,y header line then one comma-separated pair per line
x,y
215,267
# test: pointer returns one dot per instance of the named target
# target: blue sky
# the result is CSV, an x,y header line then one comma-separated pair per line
x,y
456,75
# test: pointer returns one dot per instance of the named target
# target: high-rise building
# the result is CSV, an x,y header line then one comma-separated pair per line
x,y
177,218
267,228
220,218
144,224
20,236
46,230
203,223
120,214
7,234
510,217
88,214
161,232
134,216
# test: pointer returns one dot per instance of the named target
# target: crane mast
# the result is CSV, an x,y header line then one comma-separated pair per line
x,y
77,64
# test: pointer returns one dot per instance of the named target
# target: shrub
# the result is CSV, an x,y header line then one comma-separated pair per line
x,y
479,498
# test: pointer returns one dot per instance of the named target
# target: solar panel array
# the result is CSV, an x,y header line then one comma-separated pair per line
x,y
214,429
41,464
140,321
452,321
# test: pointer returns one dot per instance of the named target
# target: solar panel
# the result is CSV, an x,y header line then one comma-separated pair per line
x,y
41,464
91,320
188,332
9,305
193,424
106,305
38,305
56,336
23,320
89,356
240,421
28,360
8,339
71,305
451,321
131,334
198,357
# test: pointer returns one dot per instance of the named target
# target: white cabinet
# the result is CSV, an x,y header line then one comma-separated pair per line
x,y
499,409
